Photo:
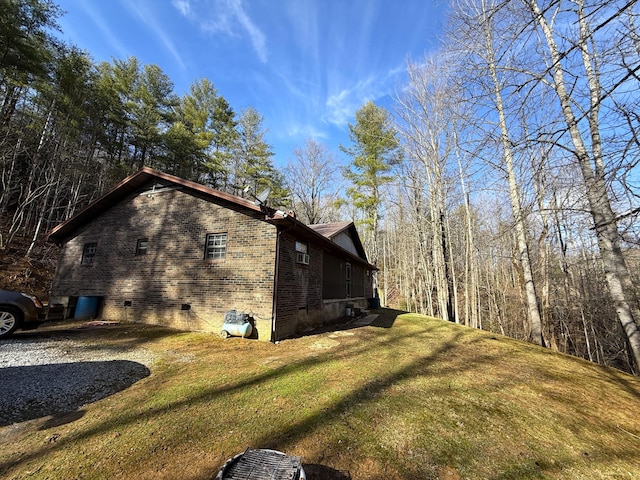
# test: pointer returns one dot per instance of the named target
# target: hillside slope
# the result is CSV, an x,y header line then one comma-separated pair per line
x,y
407,397
32,275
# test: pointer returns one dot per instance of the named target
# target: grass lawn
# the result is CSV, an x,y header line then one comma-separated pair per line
x,y
408,397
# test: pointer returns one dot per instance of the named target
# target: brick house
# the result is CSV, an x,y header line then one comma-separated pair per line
x,y
163,250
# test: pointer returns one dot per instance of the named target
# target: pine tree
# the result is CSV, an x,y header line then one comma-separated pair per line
x,y
374,152
253,164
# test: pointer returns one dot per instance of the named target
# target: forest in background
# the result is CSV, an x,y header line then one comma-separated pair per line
x,y
499,192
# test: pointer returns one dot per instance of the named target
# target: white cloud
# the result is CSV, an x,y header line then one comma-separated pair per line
x,y
296,130
257,37
106,32
146,16
227,17
342,105
183,6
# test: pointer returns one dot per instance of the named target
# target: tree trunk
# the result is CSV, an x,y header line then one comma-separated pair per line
x,y
615,268
533,312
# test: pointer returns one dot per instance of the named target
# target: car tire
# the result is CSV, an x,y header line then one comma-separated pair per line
x,y
224,334
10,320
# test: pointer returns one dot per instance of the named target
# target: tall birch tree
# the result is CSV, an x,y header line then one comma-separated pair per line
x,y
427,112
583,125
476,37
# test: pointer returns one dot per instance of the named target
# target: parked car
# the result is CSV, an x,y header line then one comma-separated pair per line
x,y
18,311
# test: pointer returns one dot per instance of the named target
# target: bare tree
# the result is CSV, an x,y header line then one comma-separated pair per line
x,y
583,125
311,177
426,111
475,37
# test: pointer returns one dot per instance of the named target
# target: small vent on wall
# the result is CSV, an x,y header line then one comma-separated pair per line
x,y
158,188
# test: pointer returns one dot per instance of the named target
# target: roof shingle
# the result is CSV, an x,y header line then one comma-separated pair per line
x,y
330,230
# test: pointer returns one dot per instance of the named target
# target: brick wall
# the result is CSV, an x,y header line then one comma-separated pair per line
x,y
174,272
299,287
300,303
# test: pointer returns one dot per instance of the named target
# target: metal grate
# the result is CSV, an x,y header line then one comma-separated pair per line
x,y
261,464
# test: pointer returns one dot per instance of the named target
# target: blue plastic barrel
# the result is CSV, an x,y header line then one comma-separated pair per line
x,y
86,308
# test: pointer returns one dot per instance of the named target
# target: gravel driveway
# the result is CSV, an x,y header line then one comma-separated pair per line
x,y
46,373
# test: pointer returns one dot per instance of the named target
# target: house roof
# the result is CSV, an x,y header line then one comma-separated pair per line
x,y
130,185
330,230
311,233
322,234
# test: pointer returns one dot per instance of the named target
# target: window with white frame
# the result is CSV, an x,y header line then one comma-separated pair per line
x,y
302,253
215,246
347,277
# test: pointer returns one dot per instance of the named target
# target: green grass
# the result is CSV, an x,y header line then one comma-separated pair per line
x,y
407,398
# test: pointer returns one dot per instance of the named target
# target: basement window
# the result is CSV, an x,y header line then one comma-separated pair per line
x,y
302,253
215,246
141,246
89,253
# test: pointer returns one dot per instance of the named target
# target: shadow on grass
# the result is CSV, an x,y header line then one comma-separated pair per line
x,y
36,391
385,318
422,364
367,393
623,379
131,417
320,472
130,334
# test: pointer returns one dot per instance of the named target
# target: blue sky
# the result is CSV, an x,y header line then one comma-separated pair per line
x,y
305,65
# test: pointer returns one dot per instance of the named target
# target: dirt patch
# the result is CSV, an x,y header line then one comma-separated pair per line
x,y
342,333
448,473
32,275
96,323
274,362
324,344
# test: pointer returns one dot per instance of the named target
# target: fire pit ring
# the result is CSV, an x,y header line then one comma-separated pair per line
x,y
262,464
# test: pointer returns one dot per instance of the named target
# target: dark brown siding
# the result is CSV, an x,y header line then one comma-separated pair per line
x,y
357,281
334,285
334,279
